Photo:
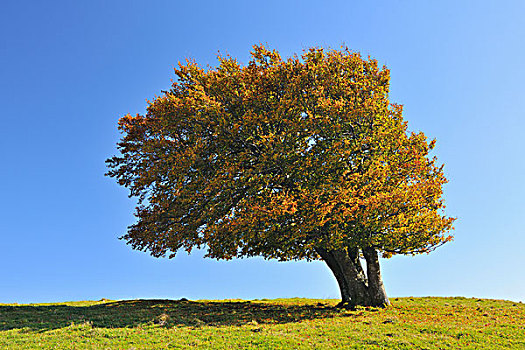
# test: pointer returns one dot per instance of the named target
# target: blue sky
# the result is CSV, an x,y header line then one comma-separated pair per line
x,y
69,70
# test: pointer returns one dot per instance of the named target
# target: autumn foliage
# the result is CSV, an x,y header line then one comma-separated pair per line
x,y
287,159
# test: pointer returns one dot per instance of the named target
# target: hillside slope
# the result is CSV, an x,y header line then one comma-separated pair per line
x,y
410,323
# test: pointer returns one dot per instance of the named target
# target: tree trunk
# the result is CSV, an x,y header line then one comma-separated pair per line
x,y
356,288
376,289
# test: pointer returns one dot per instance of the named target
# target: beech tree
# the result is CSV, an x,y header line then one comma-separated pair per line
x,y
303,158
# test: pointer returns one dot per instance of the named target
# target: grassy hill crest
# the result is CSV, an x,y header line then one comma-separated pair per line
x,y
410,323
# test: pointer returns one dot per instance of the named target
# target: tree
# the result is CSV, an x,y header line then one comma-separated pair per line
x,y
303,158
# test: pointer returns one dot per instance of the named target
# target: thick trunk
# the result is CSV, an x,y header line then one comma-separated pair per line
x,y
332,263
353,276
376,289
356,289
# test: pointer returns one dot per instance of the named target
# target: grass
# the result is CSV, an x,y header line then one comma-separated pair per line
x,y
410,323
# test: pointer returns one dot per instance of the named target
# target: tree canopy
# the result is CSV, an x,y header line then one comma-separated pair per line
x,y
280,158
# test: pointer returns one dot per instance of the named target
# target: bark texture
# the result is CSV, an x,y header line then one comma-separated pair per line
x,y
357,289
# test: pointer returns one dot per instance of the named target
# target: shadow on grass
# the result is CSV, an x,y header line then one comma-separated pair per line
x,y
167,313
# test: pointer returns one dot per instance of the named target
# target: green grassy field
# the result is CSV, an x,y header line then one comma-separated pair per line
x,y
410,323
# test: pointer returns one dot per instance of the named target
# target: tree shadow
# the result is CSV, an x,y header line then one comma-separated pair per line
x,y
163,313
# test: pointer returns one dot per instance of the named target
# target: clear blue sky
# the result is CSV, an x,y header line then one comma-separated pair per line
x,y
70,69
